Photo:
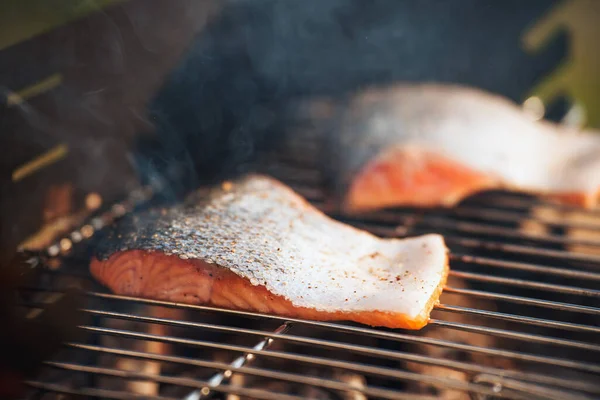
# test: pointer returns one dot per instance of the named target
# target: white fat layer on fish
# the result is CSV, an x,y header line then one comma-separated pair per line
x,y
488,133
264,232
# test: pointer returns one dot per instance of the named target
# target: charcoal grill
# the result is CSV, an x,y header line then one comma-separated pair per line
x,y
539,339
519,319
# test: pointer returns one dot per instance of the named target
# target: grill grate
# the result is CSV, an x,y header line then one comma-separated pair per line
x,y
519,319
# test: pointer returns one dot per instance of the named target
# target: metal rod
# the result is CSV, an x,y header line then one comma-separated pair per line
x,y
91,392
521,336
506,216
220,377
509,200
479,228
345,347
189,382
519,249
519,318
314,360
567,383
520,266
524,300
549,287
376,333
441,307
534,391
400,215
448,221
401,231
296,378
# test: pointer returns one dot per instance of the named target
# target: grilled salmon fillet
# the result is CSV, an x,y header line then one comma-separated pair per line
x,y
433,145
256,245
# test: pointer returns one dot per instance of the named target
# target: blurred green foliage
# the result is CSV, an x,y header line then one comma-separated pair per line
x,y
578,77
23,19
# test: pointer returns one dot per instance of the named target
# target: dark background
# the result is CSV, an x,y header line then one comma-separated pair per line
x,y
146,83
255,56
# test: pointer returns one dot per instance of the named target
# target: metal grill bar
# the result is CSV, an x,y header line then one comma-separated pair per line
x,y
361,368
318,382
382,334
447,221
193,383
390,336
548,287
520,319
523,250
485,245
334,345
520,266
405,228
506,216
524,300
516,201
526,337
298,339
534,391
91,392
582,386
489,215
317,197
436,222
220,377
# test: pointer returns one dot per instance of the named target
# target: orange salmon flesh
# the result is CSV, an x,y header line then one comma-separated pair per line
x,y
416,177
158,276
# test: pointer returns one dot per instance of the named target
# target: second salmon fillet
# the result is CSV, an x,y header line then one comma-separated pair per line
x,y
433,145
256,245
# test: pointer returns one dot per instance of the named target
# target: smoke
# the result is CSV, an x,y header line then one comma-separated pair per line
x,y
223,104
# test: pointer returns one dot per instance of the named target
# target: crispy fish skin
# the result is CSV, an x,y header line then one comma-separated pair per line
x,y
256,245
433,145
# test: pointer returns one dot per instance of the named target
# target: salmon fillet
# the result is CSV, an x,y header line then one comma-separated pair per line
x,y
433,145
256,245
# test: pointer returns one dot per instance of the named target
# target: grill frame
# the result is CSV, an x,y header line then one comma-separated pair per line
x,y
474,218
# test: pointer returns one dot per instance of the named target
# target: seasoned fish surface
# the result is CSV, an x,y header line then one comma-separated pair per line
x,y
433,145
256,245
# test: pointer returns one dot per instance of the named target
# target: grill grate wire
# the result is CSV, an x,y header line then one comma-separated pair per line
x,y
550,289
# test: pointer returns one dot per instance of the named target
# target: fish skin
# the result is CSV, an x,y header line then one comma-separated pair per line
x,y
435,144
258,235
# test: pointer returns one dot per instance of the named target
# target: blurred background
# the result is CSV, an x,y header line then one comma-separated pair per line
x,y
96,95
